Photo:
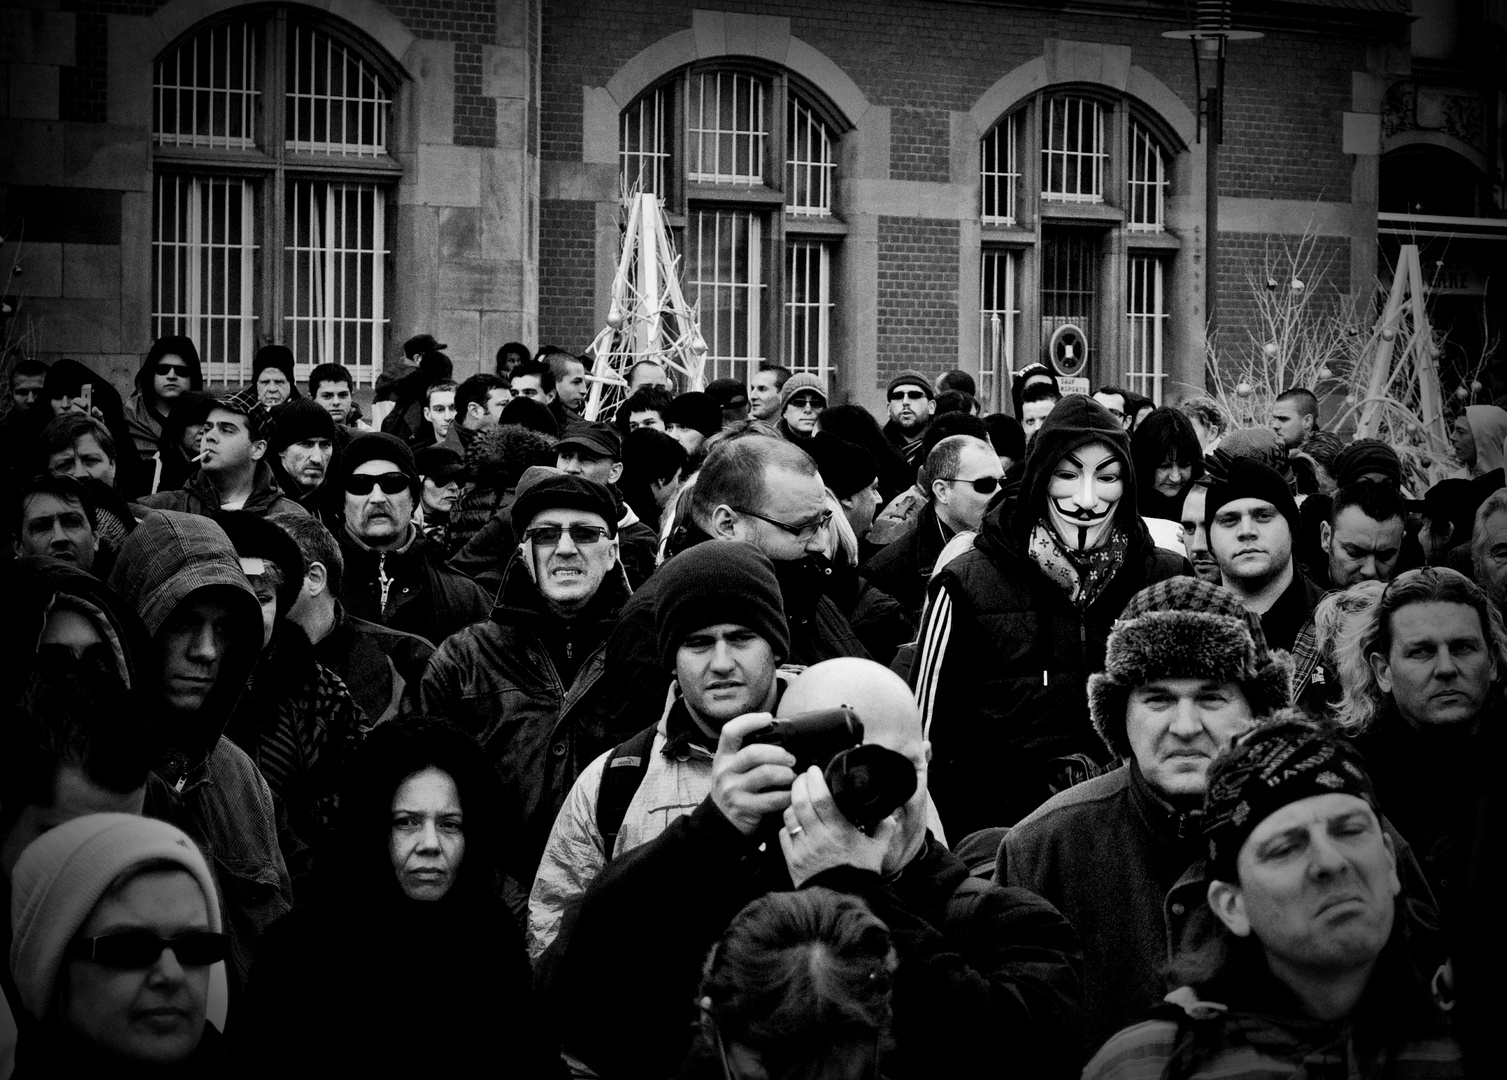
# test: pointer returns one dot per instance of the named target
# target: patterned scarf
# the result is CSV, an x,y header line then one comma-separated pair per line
x,y
1082,575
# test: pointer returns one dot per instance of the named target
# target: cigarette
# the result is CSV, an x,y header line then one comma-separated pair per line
x,y
199,456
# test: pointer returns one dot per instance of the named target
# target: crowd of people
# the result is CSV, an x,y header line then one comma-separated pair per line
x,y
735,734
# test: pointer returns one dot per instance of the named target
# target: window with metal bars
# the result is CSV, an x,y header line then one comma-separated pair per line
x,y
1069,281
1073,149
747,160
999,171
284,238
1146,313
999,310
1146,182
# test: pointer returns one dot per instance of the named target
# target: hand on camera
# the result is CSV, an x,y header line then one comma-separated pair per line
x,y
749,782
817,837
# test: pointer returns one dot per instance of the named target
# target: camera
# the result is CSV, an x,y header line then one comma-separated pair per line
x,y
868,782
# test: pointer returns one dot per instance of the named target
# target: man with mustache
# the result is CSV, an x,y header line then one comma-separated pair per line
x,y
1015,627
912,402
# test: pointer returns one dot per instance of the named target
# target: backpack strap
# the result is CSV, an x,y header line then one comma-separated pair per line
x,y
626,767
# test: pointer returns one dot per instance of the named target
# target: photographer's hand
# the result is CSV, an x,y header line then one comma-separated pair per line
x,y
817,837
751,781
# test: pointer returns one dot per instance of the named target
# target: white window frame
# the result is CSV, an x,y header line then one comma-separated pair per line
x,y
1081,160
725,283
804,257
704,127
809,164
646,166
324,271
1146,315
364,92
235,101
997,324
1146,182
999,171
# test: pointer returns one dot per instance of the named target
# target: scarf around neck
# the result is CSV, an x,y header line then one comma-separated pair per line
x,y
1082,575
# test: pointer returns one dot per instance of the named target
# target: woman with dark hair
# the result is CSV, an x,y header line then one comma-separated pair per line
x,y
400,957
1167,459
170,369
64,390
855,424
652,466
799,986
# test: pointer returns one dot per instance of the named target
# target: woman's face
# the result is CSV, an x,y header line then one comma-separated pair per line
x,y
426,840
1172,476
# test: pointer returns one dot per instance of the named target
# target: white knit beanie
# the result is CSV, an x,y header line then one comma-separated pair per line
x,y
62,875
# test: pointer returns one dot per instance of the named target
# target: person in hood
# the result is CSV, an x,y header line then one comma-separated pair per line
x,y
70,387
184,579
481,526
1014,627
394,576
1477,436
528,682
170,368
400,959
233,470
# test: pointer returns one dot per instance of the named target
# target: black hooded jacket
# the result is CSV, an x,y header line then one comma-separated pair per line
x,y
66,378
142,411
1005,655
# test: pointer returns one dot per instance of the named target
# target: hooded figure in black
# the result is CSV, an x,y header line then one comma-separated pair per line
x,y
65,382
156,393
1014,627
400,959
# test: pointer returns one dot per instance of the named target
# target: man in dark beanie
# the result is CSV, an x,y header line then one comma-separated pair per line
x,y
394,576
1318,959
1252,520
720,632
527,682
301,451
1015,627
692,418
911,403
1185,671
851,475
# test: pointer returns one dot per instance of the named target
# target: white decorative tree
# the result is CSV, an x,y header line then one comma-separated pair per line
x,y
649,318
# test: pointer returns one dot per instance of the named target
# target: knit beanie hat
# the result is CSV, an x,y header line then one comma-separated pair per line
x,y
1247,478
846,469
62,875
378,446
542,488
718,581
1282,761
1185,628
911,377
301,419
526,412
275,356
697,411
1262,444
803,380
1365,456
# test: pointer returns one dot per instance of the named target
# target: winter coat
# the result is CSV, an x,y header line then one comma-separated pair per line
x,y
143,420
1005,656
980,968
360,980
528,687
907,446
408,589
203,783
380,666
199,497
495,459
903,569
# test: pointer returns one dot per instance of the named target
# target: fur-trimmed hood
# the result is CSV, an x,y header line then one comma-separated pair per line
x,y
496,458
1184,628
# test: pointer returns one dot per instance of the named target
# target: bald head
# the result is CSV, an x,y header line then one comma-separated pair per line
x,y
881,699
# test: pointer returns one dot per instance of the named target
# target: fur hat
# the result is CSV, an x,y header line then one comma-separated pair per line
x,y
1184,628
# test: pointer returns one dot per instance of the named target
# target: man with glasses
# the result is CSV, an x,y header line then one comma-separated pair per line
x,y
960,476
911,400
393,576
527,681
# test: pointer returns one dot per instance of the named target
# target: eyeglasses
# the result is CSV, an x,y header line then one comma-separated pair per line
x,y
548,536
908,395
137,950
984,485
800,532
362,483
806,402
169,369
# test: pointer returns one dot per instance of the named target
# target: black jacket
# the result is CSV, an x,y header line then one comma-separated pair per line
x,y
420,595
981,976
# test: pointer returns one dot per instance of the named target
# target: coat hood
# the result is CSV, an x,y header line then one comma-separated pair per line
x,y
170,557
181,347
1488,424
498,456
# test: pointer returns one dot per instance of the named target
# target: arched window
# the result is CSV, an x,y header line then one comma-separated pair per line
x,y
1073,194
744,160
270,146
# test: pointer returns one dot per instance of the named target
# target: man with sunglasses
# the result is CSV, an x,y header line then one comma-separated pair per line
x,y
911,402
233,471
961,475
393,575
527,681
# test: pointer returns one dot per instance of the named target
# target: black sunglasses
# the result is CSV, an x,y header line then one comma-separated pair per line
x,y
984,485
362,483
580,535
137,950
168,369
908,395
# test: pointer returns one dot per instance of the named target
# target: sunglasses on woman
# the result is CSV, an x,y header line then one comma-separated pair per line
x,y
137,950
167,369
362,483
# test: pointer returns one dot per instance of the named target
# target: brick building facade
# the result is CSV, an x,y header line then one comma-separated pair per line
x,y
855,187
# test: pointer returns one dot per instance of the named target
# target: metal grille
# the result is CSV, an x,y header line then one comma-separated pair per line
x,y
999,171
1147,312
207,91
998,312
725,282
807,307
336,104
809,167
1069,281
203,269
333,260
1073,155
727,128
644,143
1148,181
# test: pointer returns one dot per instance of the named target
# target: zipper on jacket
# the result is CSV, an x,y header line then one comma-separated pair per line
x,y
383,581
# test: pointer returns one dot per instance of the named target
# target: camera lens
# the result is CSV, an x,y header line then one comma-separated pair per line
x,y
869,783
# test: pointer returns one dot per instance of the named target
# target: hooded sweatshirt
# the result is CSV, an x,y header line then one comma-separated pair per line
x,y
1488,425
144,412
1005,655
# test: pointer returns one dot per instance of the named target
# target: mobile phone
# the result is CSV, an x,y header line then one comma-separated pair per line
x,y
87,393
